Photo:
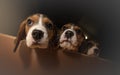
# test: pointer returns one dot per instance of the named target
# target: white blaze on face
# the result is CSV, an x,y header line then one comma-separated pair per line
x,y
37,26
91,51
73,40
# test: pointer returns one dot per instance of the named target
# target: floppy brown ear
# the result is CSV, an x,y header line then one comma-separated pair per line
x,y
53,42
21,35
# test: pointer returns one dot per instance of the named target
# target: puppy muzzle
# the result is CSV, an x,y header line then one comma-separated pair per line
x,y
37,35
69,34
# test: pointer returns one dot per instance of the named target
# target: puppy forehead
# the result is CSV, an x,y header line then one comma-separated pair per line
x,y
36,18
72,26
77,27
68,25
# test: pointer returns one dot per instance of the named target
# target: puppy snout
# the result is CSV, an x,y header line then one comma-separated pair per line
x,y
69,34
96,51
37,35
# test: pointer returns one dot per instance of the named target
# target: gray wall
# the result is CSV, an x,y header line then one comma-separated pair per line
x,y
11,14
105,13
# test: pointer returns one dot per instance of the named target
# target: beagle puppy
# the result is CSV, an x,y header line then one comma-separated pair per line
x,y
73,38
90,48
38,31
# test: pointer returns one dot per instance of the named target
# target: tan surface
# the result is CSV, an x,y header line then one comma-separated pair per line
x,y
41,62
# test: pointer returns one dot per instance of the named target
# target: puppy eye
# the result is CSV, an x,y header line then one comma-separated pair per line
x,y
29,22
64,28
49,25
78,31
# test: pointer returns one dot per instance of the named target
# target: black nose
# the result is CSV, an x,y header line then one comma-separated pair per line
x,y
37,35
69,34
96,51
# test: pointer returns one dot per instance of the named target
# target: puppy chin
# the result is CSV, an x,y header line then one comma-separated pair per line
x,y
38,45
42,46
67,46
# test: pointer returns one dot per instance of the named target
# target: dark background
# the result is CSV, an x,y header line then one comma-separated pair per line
x,y
104,13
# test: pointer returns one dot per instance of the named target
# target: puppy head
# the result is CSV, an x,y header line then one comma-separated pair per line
x,y
38,30
90,47
71,37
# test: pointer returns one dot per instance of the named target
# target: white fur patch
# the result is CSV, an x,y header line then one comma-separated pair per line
x,y
38,26
91,51
73,40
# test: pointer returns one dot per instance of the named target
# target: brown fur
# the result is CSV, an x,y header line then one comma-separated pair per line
x,y
24,28
80,36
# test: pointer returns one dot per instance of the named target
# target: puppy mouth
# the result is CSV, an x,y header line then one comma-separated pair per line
x,y
36,43
69,41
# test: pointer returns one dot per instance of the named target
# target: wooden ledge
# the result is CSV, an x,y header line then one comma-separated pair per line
x,y
27,61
